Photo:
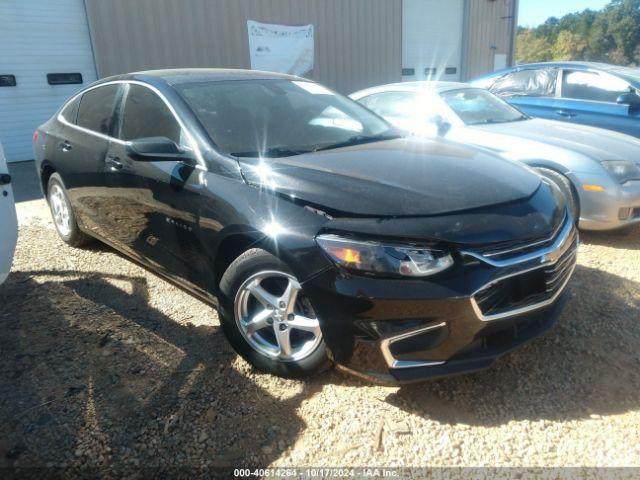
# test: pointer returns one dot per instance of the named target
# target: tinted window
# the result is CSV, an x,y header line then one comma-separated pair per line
x,y
96,108
592,86
146,115
70,110
476,107
278,117
539,83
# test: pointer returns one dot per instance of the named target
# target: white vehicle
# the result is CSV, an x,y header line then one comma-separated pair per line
x,y
8,220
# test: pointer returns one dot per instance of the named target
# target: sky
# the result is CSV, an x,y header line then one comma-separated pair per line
x,y
534,12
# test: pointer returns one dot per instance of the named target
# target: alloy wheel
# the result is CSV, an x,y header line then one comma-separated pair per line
x,y
60,210
275,317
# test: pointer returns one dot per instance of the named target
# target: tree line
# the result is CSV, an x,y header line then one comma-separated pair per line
x,y
610,35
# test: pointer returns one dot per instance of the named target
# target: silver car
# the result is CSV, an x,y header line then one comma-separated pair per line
x,y
597,169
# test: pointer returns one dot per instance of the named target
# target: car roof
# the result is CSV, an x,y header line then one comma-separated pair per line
x,y
606,67
631,74
430,85
196,75
571,64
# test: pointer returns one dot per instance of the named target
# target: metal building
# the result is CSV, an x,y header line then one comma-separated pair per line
x,y
45,44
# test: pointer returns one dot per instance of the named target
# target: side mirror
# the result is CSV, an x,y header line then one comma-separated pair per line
x,y
156,149
631,99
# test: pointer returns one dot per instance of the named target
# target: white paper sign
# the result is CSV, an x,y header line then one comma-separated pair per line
x,y
281,48
499,61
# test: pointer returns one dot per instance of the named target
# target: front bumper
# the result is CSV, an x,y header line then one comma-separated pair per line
x,y
402,330
618,206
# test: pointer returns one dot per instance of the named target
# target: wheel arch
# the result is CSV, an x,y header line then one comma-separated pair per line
x,y
236,243
46,170
565,172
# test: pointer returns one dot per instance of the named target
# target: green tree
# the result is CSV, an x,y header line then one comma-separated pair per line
x,y
569,46
530,48
608,35
623,19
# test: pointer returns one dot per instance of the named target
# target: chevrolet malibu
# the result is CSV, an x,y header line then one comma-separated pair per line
x,y
320,234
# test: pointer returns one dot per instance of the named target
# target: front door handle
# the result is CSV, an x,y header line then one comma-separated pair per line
x,y
65,146
114,163
565,113
5,179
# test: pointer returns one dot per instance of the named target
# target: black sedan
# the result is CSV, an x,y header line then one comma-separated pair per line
x,y
319,233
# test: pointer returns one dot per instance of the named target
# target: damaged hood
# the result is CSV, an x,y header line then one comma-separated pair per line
x,y
394,178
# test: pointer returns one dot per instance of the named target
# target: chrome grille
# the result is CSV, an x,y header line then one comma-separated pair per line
x,y
506,250
558,273
528,290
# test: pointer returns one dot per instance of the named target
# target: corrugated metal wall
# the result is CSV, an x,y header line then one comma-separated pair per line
x,y
358,42
490,31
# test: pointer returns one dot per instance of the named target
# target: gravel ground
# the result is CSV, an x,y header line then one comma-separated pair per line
x,y
105,364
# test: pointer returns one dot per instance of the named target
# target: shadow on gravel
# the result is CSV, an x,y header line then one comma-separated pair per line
x,y
629,240
91,374
588,365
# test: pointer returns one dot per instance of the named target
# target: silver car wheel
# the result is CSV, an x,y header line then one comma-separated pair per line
x,y
275,318
60,210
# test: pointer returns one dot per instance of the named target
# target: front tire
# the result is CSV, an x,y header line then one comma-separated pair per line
x,y
62,213
268,319
565,186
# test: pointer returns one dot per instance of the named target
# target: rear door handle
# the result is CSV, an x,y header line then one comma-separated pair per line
x,y
565,113
65,146
5,179
114,163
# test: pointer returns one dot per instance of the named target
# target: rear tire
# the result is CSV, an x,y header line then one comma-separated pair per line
x,y
268,319
565,186
62,213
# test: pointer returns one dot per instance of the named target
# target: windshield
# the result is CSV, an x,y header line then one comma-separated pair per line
x,y
477,107
279,118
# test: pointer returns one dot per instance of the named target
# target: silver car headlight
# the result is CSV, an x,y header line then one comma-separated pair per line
x,y
622,170
384,259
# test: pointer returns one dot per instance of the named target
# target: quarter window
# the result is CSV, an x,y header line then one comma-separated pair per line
x,y
70,110
145,115
592,86
96,109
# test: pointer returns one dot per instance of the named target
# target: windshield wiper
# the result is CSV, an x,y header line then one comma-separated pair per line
x,y
273,152
359,140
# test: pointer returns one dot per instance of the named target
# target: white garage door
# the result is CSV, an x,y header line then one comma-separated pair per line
x,y
432,39
39,37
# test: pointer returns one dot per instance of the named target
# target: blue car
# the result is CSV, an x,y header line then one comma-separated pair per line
x,y
596,94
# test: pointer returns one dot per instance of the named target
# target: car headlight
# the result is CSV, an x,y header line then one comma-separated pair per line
x,y
622,170
384,259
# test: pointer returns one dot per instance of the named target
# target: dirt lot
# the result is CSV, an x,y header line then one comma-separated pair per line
x,y
105,364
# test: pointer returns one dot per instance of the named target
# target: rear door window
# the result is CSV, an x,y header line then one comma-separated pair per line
x,y
96,109
146,115
593,86
539,82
